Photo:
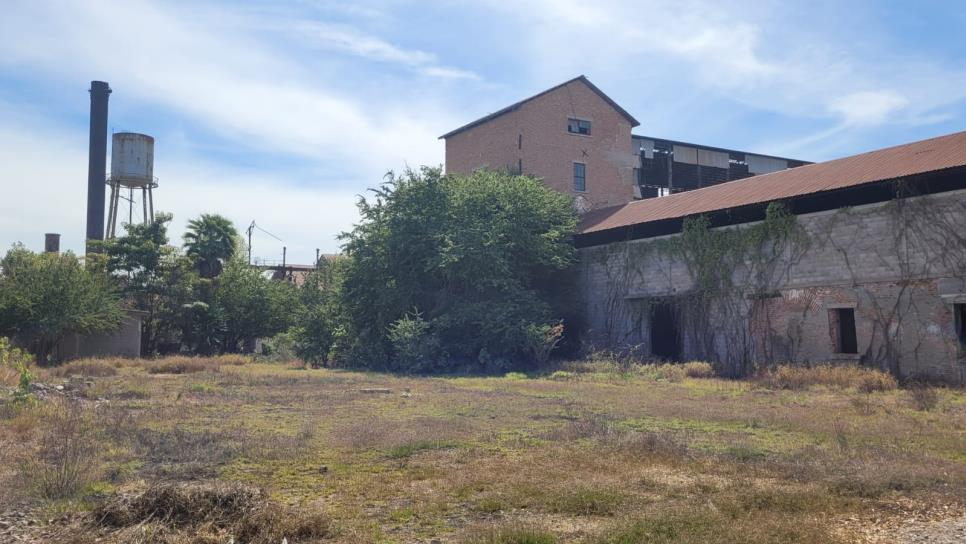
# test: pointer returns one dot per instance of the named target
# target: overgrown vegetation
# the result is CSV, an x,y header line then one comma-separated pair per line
x,y
599,450
44,298
453,272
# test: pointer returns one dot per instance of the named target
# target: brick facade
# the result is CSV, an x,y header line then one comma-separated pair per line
x,y
534,136
899,265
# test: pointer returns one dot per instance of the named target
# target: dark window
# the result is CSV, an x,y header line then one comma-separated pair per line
x,y
520,166
960,311
578,126
842,329
665,339
580,176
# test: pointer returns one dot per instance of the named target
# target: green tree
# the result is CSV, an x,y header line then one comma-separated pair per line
x,y
211,241
156,278
252,306
43,298
479,258
318,325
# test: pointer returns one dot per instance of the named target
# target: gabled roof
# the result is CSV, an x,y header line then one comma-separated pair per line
x,y
517,105
930,155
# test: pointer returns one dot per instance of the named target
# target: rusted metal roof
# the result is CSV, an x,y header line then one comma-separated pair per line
x,y
583,79
890,163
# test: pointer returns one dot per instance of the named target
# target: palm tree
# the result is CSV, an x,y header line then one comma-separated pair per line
x,y
210,242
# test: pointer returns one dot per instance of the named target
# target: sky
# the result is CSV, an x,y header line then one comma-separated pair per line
x,y
283,113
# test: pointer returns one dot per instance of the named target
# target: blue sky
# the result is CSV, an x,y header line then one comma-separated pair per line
x,y
283,112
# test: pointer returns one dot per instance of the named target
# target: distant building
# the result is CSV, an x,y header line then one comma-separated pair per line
x,y
579,141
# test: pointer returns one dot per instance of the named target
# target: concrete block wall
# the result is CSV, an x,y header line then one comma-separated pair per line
x,y
902,276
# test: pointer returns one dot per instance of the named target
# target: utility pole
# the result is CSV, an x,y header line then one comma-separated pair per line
x,y
249,230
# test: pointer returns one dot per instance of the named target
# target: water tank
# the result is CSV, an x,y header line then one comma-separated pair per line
x,y
132,159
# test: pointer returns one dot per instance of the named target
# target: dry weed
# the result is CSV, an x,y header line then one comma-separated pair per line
x,y
95,368
865,380
182,365
212,508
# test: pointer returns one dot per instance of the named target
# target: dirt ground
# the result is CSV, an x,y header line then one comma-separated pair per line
x,y
589,452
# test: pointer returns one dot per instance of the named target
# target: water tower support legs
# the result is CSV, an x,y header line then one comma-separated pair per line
x,y
151,205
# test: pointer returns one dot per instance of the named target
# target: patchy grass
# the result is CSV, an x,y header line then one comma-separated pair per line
x,y
596,451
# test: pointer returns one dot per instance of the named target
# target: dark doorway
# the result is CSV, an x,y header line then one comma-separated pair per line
x,y
961,323
665,338
842,321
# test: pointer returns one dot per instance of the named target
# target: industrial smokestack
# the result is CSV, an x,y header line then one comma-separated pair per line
x,y
52,243
97,160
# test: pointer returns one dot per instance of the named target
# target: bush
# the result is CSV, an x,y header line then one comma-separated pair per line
x,y
866,380
44,298
416,348
484,257
13,363
183,365
67,459
698,369
924,397
206,510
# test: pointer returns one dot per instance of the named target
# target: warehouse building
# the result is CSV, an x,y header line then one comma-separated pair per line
x,y
860,259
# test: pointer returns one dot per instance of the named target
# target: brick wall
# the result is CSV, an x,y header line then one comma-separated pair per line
x,y
536,135
901,270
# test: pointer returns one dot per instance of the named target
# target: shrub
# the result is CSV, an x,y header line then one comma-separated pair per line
x,y
206,510
698,369
541,340
183,365
13,362
663,372
67,458
866,380
924,397
416,348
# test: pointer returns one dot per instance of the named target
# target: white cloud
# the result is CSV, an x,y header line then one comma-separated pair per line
x,y
754,56
867,107
213,73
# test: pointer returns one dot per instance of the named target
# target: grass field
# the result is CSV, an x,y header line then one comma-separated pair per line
x,y
589,452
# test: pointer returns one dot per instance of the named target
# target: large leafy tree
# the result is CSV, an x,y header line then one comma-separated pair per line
x,y
156,278
479,258
319,323
210,241
252,306
43,298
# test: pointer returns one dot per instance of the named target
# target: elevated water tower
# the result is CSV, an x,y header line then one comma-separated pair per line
x,y
132,168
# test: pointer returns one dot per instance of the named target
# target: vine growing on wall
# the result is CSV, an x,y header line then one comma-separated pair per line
x,y
731,273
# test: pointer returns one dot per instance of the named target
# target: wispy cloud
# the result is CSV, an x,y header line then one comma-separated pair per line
x,y
757,55
353,41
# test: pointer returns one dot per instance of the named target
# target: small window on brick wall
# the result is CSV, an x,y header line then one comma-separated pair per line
x,y
578,126
960,315
841,323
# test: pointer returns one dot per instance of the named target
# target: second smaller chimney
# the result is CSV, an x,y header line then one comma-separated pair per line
x,y
51,243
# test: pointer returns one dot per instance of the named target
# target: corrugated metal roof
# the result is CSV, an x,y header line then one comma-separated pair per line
x,y
885,164
583,79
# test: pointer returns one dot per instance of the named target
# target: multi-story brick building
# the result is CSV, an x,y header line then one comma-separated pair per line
x,y
579,141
